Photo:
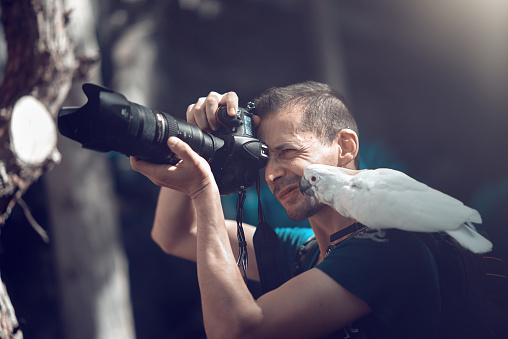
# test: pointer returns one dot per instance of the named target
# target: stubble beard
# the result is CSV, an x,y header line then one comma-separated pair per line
x,y
304,210
299,207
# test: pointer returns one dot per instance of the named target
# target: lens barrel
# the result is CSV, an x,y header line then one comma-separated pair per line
x,y
109,122
149,131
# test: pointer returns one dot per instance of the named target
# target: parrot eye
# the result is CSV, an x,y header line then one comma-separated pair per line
x,y
313,178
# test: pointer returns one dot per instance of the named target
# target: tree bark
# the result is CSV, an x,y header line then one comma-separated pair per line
x,y
40,67
38,74
9,327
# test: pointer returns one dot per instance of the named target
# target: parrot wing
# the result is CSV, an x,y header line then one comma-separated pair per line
x,y
387,178
385,198
392,199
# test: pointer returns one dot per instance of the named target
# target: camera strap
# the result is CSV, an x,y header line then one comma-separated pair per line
x,y
266,245
243,259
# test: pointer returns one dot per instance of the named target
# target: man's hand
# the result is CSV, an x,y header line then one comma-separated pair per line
x,y
192,175
202,113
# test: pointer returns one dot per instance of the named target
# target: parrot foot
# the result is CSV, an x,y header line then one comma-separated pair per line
x,y
374,235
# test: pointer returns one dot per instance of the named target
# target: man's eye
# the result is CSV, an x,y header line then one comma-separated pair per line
x,y
287,150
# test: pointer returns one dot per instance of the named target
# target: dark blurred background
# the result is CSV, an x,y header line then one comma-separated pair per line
x,y
427,82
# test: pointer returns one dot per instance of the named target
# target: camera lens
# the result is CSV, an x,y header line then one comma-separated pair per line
x,y
109,122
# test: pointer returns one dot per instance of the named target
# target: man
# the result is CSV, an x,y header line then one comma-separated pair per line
x,y
389,287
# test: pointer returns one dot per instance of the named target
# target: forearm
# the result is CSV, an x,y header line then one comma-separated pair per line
x,y
174,227
228,306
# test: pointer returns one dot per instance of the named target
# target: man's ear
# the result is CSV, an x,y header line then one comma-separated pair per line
x,y
348,148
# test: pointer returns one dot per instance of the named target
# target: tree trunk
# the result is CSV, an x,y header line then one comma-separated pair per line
x,y
38,73
37,78
90,260
40,68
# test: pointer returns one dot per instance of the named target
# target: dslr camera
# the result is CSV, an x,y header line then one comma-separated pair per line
x,y
109,122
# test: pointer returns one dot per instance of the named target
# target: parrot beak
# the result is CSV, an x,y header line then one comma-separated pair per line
x,y
305,187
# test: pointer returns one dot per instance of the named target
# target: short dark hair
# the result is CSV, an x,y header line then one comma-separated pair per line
x,y
325,110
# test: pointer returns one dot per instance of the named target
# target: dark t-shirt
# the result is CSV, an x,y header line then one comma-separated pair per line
x,y
396,277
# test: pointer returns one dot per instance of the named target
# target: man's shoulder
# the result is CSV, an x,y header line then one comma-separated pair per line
x,y
385,272
394,250
393,239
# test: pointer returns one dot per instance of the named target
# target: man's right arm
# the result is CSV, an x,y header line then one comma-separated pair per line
x,y
174,228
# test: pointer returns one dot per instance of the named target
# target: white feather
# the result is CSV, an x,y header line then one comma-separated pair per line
x,y
386,198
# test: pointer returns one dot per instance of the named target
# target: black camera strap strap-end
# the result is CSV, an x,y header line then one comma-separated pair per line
x,y
257,185
243,259
266,245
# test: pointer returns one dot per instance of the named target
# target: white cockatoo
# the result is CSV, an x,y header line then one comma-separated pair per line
x,y
385,198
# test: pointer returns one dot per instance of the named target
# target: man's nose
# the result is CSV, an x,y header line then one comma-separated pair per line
x,y
273,171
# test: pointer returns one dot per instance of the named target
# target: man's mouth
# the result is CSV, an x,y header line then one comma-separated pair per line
x,y
286,191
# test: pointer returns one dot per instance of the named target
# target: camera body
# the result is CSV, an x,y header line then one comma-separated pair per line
x,y
109,122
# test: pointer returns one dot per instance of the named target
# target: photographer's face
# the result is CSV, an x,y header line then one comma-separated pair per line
x,y
291,150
